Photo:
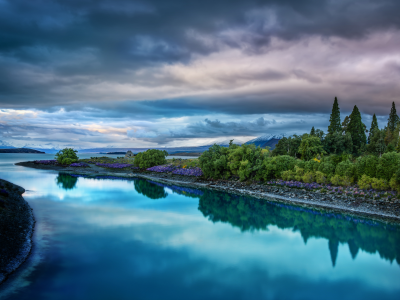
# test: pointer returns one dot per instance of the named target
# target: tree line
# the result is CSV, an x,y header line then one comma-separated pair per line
x,y
348,137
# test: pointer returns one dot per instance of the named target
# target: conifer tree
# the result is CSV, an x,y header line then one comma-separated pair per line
x,y
312,131
357,130
374,125
393,119
334,120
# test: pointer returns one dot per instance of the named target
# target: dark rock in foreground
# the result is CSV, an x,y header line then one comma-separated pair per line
x,y
16,227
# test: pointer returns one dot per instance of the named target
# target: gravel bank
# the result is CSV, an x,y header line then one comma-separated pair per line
x,y
16,228
388,211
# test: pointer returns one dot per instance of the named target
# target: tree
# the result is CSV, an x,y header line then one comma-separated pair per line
x,y
312,131
334,120
345,124
374,125
357,130
338,143
310,147
67,156
150,158
288,146
377,144
393,118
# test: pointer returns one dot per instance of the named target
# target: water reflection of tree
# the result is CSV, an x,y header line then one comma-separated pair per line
x,y
66,181
250,214
149,189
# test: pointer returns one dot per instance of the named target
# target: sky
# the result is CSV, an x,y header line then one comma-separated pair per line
x,y
169,73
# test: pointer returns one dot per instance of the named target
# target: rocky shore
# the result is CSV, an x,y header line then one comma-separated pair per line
x,y
383,210
16,228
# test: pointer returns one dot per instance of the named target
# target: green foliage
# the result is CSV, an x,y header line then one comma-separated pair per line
x,y
335,180
308,177
366,165
274,166
245,160
67,156
311,166
312,133
214,162
334,125
150,158
377,142
393,119
326,167
288,146
299,173
288,175
357,130
365,182
310,147
66,181
388,164
346,169
379,184
321,178
374,125
341,180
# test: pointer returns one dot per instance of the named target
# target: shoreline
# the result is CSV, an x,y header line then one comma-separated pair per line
x,y
373,209
17,224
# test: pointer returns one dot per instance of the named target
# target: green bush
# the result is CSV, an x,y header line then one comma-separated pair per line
x,y
346,169
299,173
311,166
67,156
245,160
327,168
214,162
308,177
388,164
365,182
150,158
335,180
274,166
366,165
379,184
320,177
288,175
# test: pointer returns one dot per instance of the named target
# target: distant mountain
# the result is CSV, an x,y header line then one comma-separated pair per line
x,y
6,145
267,140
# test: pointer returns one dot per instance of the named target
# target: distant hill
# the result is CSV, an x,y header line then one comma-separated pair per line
x,y
5,145
20,150
267,140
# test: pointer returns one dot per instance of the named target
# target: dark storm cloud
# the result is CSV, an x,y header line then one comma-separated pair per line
x,y
50,50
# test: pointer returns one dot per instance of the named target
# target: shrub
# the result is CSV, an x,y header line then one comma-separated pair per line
x,y
310,147
320,177
288,175
299,173
379,184
394,184
346,169
388,165
366,165
365,182
67,156
150,158
245,160
308,177
311,166
214,162
327,168
273,167
335,180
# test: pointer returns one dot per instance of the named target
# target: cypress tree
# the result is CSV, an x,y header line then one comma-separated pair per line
x,y
393,118
374,125
357,131
334,120
312,131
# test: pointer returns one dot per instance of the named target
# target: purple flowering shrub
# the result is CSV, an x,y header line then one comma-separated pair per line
x,y
113,165
46,162
177,170
79,165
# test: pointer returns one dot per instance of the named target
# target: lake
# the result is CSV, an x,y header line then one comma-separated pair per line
x,y
99,238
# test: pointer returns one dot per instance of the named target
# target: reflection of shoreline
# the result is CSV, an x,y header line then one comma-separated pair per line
x,y
249,214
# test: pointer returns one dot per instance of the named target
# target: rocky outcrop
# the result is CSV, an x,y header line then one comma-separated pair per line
x,y
16,228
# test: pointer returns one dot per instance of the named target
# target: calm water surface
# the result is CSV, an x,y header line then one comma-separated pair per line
x,y
135,239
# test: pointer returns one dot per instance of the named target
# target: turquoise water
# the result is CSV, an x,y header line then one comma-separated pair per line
x,y
134,239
